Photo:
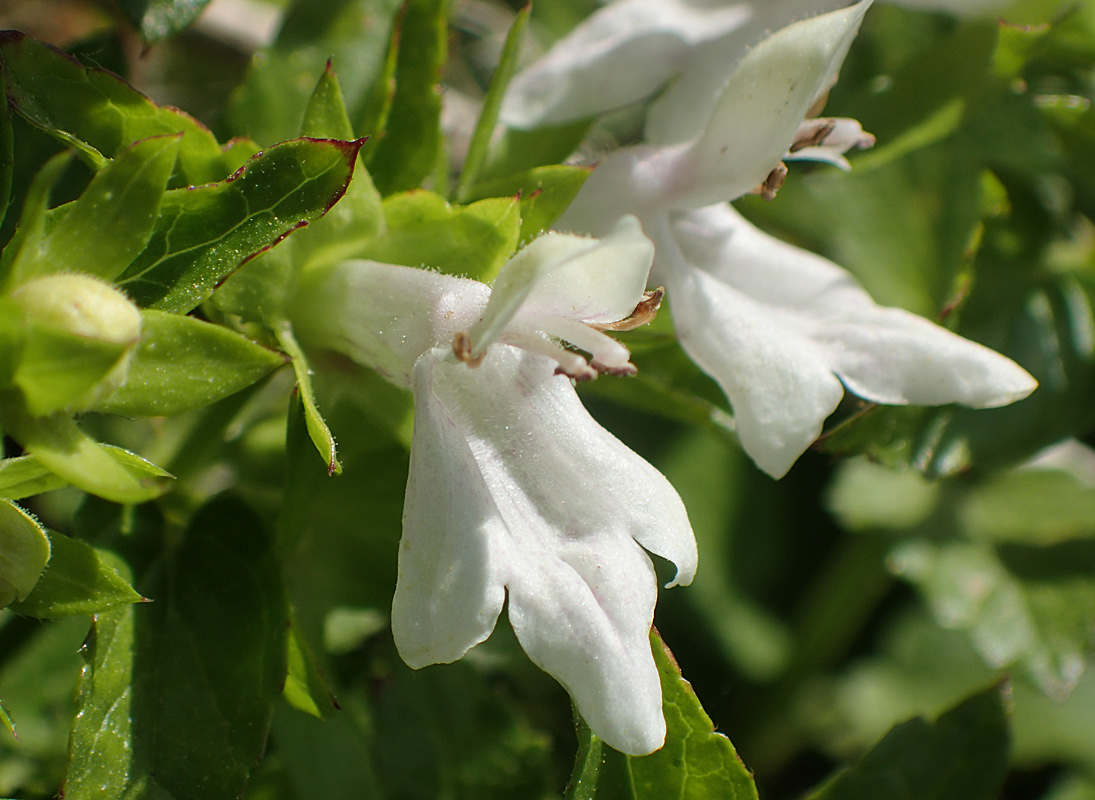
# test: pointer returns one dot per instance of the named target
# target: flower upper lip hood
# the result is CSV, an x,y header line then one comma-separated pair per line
x,y
778,328
516,496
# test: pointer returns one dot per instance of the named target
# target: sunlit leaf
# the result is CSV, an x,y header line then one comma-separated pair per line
x,y
695,762
204,234
182,363
78,580
26,476
545,193
97,112
24,551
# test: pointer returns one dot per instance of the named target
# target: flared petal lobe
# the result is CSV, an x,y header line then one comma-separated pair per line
x,y
776,326
619,55
514,485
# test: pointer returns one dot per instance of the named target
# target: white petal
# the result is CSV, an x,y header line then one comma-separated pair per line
x,y
768,320
761,107
574,277
382,315
575,504
777,382
449,591
619,55
681,112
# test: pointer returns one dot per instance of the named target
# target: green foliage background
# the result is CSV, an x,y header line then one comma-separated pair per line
x,y
908,614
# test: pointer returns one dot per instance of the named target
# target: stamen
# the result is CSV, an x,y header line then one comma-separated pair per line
x,y
643,314
772,183
461,348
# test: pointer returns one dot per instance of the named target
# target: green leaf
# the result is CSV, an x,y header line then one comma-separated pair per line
x,y
545,193
78,580
424,230
158,19
183,363
24,551
305,688
963,755
109,225
26,476
408,148
318,431
32,220
353,35
488,117
176,695
1030,506
695,762
108,472
204,234
98,113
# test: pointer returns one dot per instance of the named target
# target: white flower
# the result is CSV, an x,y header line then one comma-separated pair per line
x,y
778,328
514,490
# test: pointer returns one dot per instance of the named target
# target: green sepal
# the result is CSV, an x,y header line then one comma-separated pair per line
x,y
408,148
24,551
99,469
424,230
318,431
78,580
109,225
32,220
492,104
545,193
694,762
98,113
183,363
963,755
204,234
325,115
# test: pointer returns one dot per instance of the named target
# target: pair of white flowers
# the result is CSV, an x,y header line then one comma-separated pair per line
x,y
515,492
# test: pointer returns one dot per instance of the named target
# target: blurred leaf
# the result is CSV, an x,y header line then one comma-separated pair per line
x,y
520,151
424,230
99,114
204,234
408,149
24,551
318,431
77,580
182,363
1032,607
488,116
109,472
963,755
353,35
26,476
158,19
37,677
545,193
696,762
7,158
867,496
176,695
109,225
1030,506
